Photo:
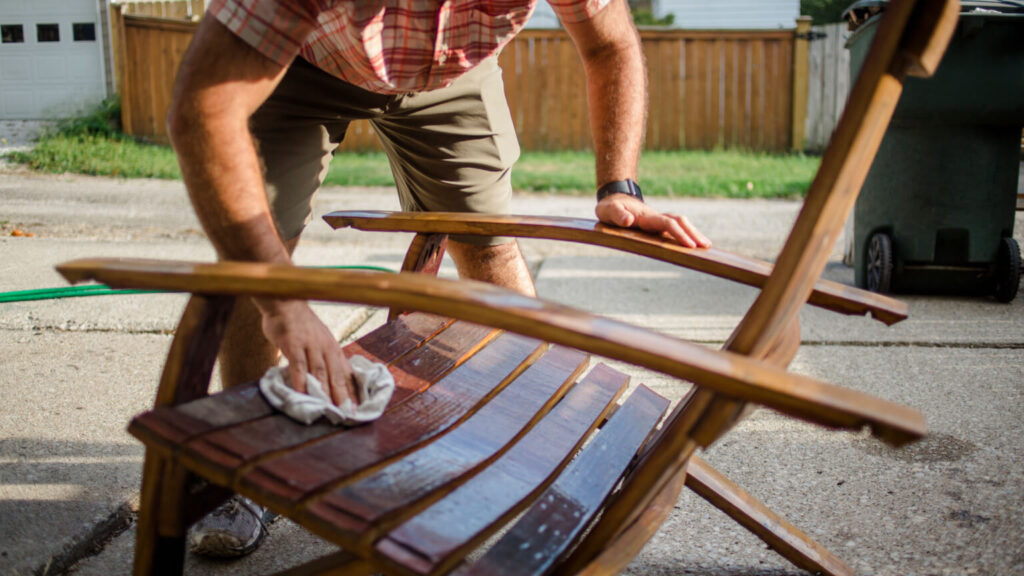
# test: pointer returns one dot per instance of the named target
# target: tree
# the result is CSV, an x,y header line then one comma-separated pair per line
x,y
824,11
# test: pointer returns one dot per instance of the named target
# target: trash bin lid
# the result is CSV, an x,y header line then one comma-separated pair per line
x,y
859,12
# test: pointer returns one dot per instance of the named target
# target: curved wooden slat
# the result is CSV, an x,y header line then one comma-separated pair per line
x,y
288,478
219,453
723,372
827,294
554,522
167,427
844,166
359,511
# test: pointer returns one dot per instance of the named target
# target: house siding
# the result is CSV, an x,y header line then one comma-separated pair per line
x,y
543,17
730,14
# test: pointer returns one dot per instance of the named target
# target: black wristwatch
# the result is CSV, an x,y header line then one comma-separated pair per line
x,y
627,187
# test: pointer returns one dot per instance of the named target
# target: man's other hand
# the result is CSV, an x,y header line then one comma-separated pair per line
x,y
629,212
309,346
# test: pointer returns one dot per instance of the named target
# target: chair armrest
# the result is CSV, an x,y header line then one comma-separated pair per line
x,y
728,373
827,294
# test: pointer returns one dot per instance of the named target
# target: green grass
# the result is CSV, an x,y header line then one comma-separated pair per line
x,y
721,174
92,144
99,156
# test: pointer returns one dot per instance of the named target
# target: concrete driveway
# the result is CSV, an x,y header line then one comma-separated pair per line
x,y
74,371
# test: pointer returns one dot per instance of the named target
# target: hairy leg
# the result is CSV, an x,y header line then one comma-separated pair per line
x,y
502,265
246,354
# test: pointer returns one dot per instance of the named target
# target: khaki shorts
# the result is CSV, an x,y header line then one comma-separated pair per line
x,y
450,149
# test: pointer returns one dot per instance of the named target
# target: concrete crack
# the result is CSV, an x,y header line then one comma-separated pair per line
x,y
90,544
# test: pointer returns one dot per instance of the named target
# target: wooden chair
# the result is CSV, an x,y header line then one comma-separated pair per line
x,y
495,426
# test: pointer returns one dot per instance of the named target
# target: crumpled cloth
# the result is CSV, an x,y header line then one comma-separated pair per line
x,y
373,382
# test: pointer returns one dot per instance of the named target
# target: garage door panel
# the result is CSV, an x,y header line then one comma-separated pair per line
x,y
16,69
52,70
47,79
18,104
82,67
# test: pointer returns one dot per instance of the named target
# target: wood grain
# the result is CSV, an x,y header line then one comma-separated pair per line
x,y
287,479
776,531
398,490
436,538
723,372
167,427
425,255
826,294
547,530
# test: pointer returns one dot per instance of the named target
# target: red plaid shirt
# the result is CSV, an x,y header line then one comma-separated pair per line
x,y
387,46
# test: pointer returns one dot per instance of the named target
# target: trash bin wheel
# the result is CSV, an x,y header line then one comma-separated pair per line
x,y
1007,276
879,262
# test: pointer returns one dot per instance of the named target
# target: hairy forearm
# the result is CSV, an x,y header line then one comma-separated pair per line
x,y
222,81
222,173
617,96
616,90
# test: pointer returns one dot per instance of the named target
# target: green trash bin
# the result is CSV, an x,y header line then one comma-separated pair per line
x,y
936,212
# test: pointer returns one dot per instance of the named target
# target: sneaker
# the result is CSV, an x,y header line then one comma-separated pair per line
x,y
234,529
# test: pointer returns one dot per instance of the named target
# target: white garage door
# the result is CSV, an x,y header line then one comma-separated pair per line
x,y
51,58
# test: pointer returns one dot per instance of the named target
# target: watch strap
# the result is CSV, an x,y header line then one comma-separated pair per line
x,y
627,187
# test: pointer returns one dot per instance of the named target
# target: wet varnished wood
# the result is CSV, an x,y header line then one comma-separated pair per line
x,y
360,510
425,255
846,161
285,480
186,374
457,418
826,294
723,372
552,524
436,538
219,453
167,427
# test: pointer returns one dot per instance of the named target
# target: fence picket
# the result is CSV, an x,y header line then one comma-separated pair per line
x,y
709,89
828,83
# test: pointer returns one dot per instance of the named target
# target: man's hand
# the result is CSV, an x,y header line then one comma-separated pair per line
x,y
309,346
629,212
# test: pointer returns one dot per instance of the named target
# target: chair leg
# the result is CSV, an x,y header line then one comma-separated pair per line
x,y
424,256
782,536
160,538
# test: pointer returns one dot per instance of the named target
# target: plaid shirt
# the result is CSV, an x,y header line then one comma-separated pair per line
x,y
387,46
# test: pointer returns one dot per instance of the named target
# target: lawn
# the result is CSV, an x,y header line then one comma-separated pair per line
x,y
90,146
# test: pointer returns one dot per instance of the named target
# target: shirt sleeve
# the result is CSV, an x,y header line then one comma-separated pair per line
x,y
277,29
577,10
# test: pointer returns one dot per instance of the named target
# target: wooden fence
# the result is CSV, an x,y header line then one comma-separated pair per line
x,y
829,83
178,9
708,89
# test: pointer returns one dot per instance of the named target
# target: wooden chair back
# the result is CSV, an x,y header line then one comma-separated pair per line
x,y
911,39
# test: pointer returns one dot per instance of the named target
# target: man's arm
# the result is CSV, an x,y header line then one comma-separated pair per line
x,y
221,83
613,61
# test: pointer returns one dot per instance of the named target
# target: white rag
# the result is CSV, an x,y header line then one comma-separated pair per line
x,y
373,383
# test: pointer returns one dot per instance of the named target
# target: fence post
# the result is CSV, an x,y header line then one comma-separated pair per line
x,y
121,65
801,67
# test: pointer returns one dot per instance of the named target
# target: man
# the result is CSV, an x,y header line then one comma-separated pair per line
x,y
425,74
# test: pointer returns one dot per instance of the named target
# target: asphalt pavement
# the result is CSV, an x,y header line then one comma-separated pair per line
x,y
73,371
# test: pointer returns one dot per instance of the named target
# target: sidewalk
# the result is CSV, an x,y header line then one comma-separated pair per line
x,y
74,371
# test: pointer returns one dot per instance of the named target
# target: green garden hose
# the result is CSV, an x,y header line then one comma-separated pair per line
x,y
104,290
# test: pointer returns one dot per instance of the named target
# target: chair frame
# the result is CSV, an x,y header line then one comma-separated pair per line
x,y
750,369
